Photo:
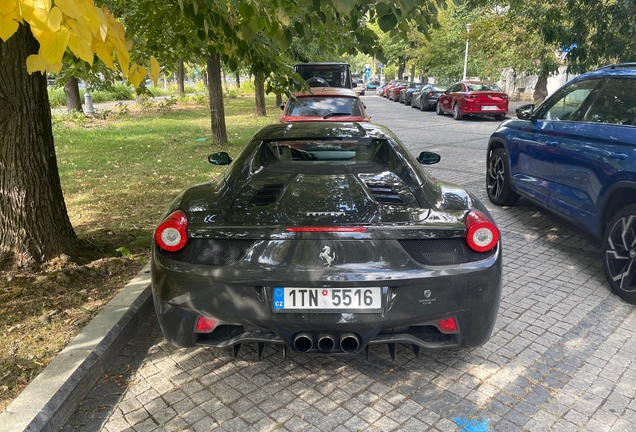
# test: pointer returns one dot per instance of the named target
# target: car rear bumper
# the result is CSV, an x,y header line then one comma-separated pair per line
x,y
413,300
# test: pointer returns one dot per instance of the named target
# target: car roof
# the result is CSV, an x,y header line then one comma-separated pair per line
x,y
329,130
621,69
327,91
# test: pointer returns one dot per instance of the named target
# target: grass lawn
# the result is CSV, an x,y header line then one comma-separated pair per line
x,y
119,171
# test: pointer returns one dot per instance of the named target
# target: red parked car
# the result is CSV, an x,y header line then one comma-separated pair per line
x,y
388,87
473,98
324,104
394,93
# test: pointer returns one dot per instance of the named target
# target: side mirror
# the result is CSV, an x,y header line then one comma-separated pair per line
x,y
428,158
282,106
220,158
525,112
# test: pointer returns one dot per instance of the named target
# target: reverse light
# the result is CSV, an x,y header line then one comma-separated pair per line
x,y
481,233
325,229
447,325
172,234
205,325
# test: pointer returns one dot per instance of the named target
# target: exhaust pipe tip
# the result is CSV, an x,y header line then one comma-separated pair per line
x,y
349,342
303,342
326,342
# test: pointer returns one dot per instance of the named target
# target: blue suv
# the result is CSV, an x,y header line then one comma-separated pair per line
x,y
575,155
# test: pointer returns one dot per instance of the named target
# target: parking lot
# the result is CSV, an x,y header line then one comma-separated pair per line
x,y
561,357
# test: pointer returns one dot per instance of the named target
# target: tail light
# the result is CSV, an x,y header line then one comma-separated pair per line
x,y
430,94
205,325
481,233
172,234
504,96
447,325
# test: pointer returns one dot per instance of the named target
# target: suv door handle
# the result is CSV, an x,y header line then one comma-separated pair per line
x,y
615,155
552,143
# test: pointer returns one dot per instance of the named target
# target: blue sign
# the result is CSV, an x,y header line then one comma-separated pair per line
x,y
367,72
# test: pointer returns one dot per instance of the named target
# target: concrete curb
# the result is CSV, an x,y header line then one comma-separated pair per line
x,y
53,396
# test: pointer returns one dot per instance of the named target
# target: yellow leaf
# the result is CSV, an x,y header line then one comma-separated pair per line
x,y
124,61
53,44
36,63
103,24
104,52
7,6
8,27
92,18
70,8
137,74
80,48
46,21
154,70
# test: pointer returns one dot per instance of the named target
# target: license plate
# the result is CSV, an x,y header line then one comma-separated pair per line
x,y
327,299
489,108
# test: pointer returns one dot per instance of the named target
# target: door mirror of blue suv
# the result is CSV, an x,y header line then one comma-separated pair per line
x,y
524,112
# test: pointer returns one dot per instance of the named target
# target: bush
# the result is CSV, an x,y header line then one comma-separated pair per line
x,y
247,87
121,92
57,98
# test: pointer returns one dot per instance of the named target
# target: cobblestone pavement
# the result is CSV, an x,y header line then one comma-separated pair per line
x,y
562,355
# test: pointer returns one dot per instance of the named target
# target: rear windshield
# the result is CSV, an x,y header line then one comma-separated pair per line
x,y
483,87
336,75
321,106
356,150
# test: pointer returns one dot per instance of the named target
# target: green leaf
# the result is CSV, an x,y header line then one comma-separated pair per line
x,y
124,252
344,6
246,10
387,22
247,31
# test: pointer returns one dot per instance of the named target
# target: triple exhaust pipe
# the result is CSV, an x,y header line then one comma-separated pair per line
x,y
304,342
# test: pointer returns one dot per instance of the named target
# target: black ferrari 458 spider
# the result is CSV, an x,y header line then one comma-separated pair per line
x,y
326,238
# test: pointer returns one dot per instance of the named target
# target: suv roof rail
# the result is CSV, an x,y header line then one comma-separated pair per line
x,y
619,65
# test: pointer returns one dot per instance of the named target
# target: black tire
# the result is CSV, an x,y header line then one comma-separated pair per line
x,y
498,179
438,109
456,114
413,103
619,253
500,117
401,99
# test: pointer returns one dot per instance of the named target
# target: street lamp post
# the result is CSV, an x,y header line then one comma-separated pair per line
x,y
466,54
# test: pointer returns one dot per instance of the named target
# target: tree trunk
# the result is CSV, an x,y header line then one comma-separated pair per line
x,y
541,89
73,99
259,92
279,100
217,110
180,78
204,76
413,72
34,224
238,80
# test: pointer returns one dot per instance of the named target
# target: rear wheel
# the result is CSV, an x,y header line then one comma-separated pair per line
x,y
438,109
619,253
500,117
422,106
456,114
498,179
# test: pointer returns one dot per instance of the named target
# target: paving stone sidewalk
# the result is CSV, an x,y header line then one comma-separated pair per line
x,y
562,356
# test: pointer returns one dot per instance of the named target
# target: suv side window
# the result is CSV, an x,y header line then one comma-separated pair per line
x,y
615,104
570,102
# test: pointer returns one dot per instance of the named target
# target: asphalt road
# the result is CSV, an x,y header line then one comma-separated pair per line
x,y
562,355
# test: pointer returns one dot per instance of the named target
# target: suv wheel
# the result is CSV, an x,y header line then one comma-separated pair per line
x,y
498,179
438,109
619,253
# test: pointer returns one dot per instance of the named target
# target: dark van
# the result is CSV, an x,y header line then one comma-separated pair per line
x,y
325,74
